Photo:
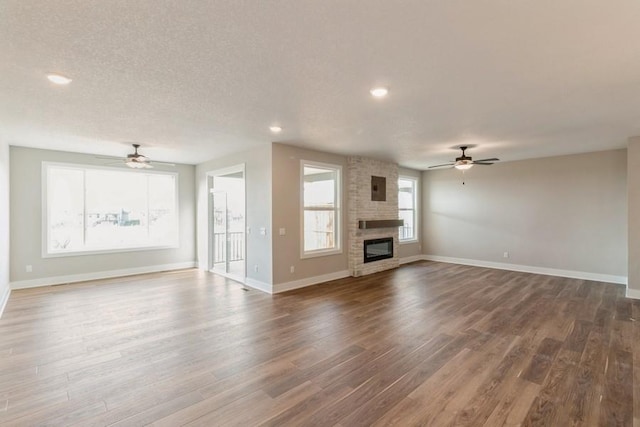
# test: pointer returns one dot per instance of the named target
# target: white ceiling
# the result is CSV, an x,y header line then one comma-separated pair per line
x,y
193,80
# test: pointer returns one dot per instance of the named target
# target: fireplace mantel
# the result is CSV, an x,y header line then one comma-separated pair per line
x,y
380,223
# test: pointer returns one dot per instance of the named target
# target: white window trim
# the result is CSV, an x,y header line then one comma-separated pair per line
x,y
45,213
416,233
338,209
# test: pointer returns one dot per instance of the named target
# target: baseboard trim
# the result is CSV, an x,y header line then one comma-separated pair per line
x,y
633,293
4,299
259,285
73,278
572,274
412,258
309,281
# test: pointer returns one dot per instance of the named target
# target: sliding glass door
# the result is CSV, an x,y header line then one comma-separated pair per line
x,y
227,223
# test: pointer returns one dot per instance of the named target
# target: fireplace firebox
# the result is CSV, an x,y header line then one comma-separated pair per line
x,y
377,249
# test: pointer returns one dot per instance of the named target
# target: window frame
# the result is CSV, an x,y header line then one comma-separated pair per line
x,y
45,211
337,210
415,181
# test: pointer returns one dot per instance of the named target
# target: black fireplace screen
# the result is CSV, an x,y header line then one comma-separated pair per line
x,y
377,249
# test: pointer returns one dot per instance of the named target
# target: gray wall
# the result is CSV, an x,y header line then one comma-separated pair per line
x,y
4,222
567,212
258,195
413,249
633,181
286,214
26,222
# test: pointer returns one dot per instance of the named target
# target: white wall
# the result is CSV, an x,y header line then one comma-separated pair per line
x,y
4,224
564,213
258,195
26,227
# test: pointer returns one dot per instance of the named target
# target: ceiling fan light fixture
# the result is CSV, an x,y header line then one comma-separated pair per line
x,y
463,165
134,164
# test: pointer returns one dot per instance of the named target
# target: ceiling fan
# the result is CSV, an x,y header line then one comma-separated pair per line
x,y
136,160
465,162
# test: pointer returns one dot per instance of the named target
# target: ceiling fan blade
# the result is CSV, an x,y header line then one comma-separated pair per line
x,y
483,163
439,166
487,160
155,162
107,157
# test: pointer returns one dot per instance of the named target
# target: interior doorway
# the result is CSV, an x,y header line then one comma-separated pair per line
x,y
227,239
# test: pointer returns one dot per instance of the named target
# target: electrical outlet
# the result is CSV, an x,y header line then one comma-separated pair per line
x,y
282,231
292,269
29,268
505,255
263,231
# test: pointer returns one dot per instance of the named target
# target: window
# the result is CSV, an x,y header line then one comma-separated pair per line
x,y
407,208
91,209
320,209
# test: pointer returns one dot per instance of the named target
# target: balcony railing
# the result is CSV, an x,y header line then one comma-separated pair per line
x,y
406,232
236,246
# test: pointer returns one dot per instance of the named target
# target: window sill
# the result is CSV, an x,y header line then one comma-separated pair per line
x,y
408,242
108,251
320,253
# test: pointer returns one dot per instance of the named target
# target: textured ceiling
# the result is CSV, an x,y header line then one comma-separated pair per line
x,y
194,80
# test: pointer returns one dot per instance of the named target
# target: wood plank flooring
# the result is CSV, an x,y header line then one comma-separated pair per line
x,y
426,344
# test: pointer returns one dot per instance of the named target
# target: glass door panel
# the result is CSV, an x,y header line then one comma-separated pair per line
x,y
220,259
227,243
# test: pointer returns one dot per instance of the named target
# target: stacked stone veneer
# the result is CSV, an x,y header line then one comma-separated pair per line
x,y
361,207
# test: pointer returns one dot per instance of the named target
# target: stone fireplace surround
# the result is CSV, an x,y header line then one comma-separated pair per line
x,y
361,207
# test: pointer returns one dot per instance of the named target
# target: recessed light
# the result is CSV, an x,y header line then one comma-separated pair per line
x,y
379,92
275,129
58,79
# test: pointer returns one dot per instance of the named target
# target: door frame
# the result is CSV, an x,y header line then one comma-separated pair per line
x,y
210,176
212,232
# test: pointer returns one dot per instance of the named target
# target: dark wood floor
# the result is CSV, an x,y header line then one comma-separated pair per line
x,y
426,344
